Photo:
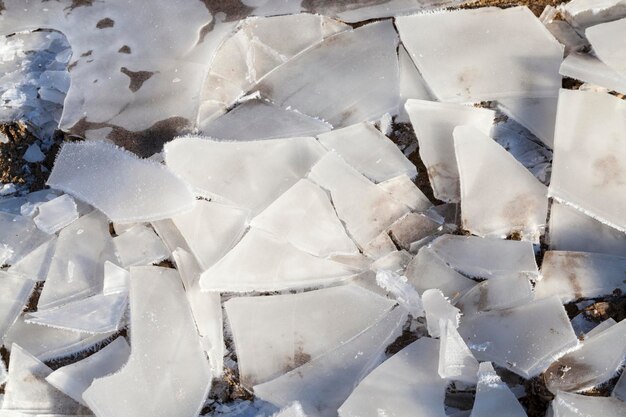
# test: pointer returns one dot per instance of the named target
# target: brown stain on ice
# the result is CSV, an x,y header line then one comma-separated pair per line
x,y
609,169
137,78
567,374
519,211
107,22
80,3
569,264
124,50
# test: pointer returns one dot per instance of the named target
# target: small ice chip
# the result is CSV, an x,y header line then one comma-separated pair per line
x,y
33,154
56,214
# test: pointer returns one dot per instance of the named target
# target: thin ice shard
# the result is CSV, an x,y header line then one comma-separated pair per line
x,y
35,265
524,339
139,246
404,190
493,397
587,172
247,174
368,151
456,361
135,189
566,404
536,114
74,379
574,275
457,51
305,217
275,334
517,202
56,214
405,385
437,308
20,236
163,332
365,209
433,123
15,291
323,384
601,38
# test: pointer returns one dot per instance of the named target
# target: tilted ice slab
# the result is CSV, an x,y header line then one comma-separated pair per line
x,y
247,174
590,69
163,332
74,379
405,385
262,262
368,151
493,397
305,217
76,270
566,404
139,246
574,275
135,189
19,237
602,38
456,361
55,214
313,81
572,230
524,339
599,359
483,54
365,209
15,292
404,190
275,334
35,265
433,123
438,308
517,201
536,114
588,172
496,293
323,384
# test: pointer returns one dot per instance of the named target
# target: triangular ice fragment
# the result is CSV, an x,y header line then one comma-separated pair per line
x,y
536,114
493,397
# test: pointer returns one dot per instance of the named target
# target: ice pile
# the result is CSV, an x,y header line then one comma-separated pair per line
x,y
284,259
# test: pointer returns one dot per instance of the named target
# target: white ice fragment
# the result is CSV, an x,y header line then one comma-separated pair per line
x,y
574,275
602,38
599,359
97,314
456,361
33,154
438,308
135,190
500,197
323,384
524,339
587,68
536,114
74,379
566,404
76,270
116,279
398,286
493,397
365,209
496,293
313,82
139,246
19,236
247,174
56,214
368,151
433,123
166,351
404,190
483,54
15,291
28,392
589,174
405,385
35,265
275,334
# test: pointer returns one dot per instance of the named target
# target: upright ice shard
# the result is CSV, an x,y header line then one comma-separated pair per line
x,y
456,361
493,397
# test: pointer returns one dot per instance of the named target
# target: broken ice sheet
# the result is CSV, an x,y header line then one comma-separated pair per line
x,y
598,359
588,171
139,246
566,404
574,275
74,379
35,265
19,236
437,308
611,53
305,217
15,292
493,397
368,151
501,197
163,332
406,384
588,68
457,51
524,339
275,334
56,214
404,190
433,123
135,189
536,114
247,174
456,361
365,209
323,384
312,82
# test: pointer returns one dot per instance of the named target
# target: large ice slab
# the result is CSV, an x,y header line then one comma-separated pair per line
x,y
493,397
56,214
15,292
602,38
433,123
566,404
483,54
275,334
524,339
74,379
588,173
405,385
139,246
247,174
19,237
574,275
501,197
125,188
163,332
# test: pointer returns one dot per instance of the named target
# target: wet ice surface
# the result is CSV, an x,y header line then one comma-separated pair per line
x,y
343,225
